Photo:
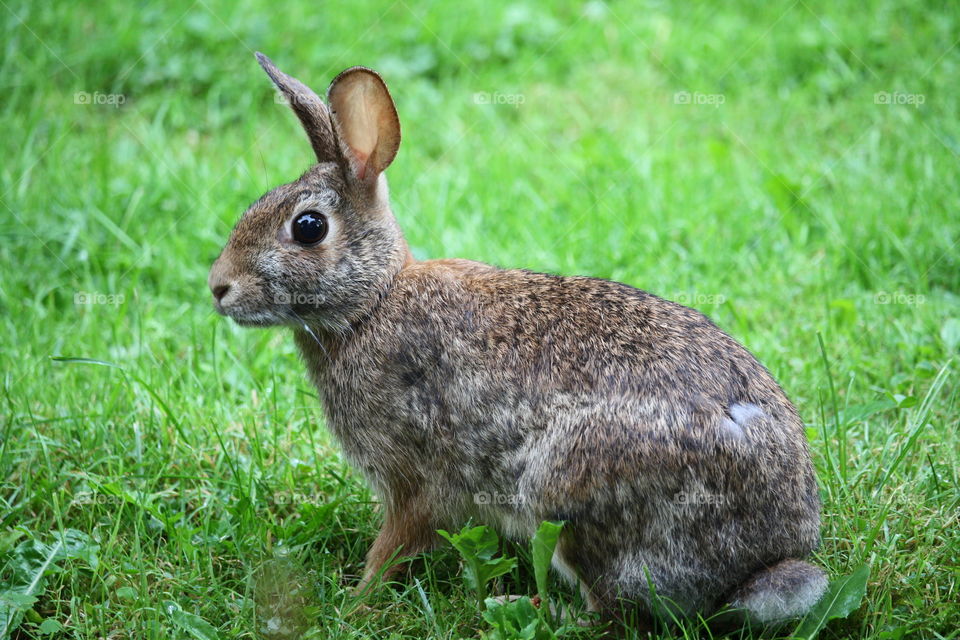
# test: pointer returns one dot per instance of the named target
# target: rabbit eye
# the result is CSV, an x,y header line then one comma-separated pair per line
x,y
309,227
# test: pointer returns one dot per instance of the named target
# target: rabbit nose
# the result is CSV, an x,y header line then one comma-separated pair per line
x,y
220,280
219,291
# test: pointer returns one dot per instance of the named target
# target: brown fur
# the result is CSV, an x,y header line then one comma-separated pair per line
x,y
671,453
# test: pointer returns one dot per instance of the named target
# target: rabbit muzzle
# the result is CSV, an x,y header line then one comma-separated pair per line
x,y
242,297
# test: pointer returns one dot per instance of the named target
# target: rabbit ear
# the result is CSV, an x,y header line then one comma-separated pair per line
x,y
308,106
366,121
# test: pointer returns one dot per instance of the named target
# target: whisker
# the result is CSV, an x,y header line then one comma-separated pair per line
x,y
312,334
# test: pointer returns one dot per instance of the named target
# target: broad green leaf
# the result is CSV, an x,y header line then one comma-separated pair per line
x,y
189,622
477,546
474,542
514,620
32,561
127,593
12,607
842,598
50,625
542,545
491,569
76,545
903,402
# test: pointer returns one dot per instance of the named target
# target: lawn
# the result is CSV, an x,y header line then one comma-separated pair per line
x,y
791,169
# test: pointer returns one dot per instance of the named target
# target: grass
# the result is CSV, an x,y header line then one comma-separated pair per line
x,y
813,221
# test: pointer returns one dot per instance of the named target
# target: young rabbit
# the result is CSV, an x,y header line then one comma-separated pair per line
x,y
461,390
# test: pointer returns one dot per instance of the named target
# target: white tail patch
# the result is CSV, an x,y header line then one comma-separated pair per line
x,y
731,428
775,606
741,415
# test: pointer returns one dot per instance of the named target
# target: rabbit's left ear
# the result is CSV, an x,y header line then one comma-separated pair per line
x,y
366,122
313,114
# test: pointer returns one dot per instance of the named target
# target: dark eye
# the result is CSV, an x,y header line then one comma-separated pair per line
x,y
309,227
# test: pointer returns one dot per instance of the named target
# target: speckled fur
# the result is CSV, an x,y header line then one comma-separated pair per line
x,y
667,448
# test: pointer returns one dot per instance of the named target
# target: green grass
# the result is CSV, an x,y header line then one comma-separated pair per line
x,y
800,209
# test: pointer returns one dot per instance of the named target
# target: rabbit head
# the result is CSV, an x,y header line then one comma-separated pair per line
x,y
324,248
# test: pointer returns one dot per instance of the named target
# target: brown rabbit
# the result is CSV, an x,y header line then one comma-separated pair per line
x,y
462,390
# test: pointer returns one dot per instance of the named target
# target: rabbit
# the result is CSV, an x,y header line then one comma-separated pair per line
x,y
463,391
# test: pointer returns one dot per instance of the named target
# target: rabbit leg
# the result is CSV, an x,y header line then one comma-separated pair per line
x,y
578,559
564,563
407,530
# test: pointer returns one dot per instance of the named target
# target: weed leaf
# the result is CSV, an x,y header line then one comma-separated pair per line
x,y
477,546
30,564
842,598
189,622
543,544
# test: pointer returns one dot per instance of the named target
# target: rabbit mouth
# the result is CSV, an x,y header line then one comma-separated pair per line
x,y
256,322
247,318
